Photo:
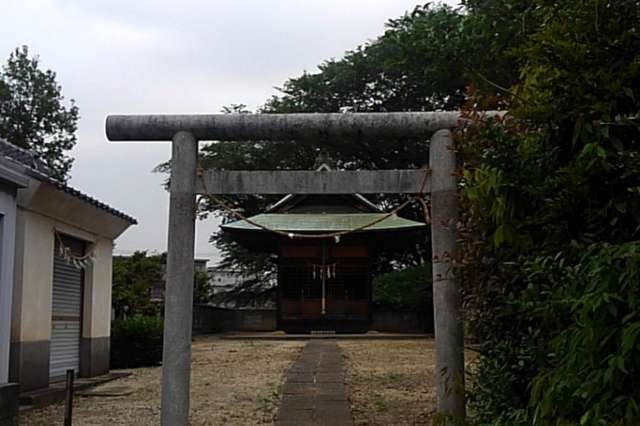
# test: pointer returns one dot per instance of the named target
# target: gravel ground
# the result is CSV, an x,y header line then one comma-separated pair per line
x,y
391,382
232,383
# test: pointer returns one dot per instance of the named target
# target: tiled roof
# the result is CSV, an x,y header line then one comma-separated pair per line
x,y
40,171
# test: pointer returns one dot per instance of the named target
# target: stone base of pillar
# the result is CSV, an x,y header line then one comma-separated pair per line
x,y
9,404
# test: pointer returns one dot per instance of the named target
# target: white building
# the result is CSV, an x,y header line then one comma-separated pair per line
x,y
54,313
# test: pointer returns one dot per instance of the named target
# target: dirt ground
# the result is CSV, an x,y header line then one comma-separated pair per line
x,y
232,383
391,382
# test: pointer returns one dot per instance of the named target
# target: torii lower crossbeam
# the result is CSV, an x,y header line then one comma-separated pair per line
x,y
186,130
314,182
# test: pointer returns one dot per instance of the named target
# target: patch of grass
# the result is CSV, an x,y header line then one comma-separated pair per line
x,y
380,404
277,390
394,377
266,401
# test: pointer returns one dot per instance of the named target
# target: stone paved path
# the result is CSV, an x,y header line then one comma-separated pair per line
x,y
314,391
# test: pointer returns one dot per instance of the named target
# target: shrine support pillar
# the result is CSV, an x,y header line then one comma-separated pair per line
x,y
447,298
176,352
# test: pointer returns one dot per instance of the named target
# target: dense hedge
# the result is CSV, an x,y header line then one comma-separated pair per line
x,y
136,342
593,370
550,227
409,288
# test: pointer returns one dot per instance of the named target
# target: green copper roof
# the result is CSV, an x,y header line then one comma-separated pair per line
x,y
292,222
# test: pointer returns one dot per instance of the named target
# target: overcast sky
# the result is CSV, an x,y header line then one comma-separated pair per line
x,y
188,56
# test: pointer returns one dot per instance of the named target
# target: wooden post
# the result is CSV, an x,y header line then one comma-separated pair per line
x,y
176,351
447,299
68,399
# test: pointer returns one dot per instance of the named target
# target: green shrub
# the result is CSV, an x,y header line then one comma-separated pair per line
x,y
568,349
406,289
593,376
136,342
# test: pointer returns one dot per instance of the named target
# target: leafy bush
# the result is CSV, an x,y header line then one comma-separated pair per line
x,y
571,354
136,342
593,376
406,289
559,174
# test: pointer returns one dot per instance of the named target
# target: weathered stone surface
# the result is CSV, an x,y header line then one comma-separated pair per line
x,y
299,377
297,416
447,297
314,182
314,392
284,127
176,355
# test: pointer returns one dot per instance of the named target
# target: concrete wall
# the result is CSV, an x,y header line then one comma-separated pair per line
x,y
255,319
32,296
402,321
209,319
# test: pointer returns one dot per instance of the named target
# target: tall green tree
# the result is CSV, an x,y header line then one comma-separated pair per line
x,y
421,62
133,278
33,114
202,288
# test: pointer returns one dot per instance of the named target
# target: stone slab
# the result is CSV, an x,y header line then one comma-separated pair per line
x,y
314,392
299,377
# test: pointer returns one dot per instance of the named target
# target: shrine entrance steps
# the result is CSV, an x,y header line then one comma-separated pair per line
x,y
314,391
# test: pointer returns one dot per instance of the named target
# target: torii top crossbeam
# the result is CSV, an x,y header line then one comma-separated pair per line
x,y
375,125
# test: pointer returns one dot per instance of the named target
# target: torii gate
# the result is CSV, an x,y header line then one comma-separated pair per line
x,y
186,130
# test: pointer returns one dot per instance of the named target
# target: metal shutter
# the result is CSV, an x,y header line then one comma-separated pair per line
x,y
66,314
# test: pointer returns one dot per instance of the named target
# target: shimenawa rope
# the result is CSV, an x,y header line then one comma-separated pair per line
x,y
66,253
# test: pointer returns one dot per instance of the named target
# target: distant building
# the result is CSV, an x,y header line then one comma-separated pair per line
x,y
223,281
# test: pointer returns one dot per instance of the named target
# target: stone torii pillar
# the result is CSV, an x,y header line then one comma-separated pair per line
x,y
447,298
178,307
185,130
